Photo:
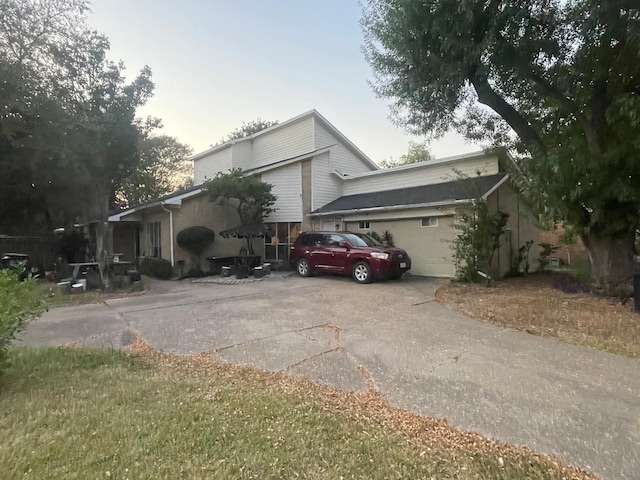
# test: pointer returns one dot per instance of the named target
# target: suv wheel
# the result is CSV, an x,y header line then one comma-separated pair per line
x,y
303,268
362,272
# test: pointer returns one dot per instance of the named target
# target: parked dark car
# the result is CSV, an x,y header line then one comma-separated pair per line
x,y
20,262
347,253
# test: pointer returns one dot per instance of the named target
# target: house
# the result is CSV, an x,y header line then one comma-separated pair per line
x,y
324,182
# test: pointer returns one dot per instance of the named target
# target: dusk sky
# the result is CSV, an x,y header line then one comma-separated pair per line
x,y
219,63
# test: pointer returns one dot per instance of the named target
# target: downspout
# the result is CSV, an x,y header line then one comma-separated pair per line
x,y
173,263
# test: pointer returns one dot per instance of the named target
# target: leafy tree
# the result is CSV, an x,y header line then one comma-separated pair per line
x,y
556,81
418,152
247,129
195,240
162,168
250,196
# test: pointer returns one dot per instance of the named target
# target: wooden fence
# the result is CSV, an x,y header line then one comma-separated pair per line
x,y
43,251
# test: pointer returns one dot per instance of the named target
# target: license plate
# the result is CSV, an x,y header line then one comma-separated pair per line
x,y
403,264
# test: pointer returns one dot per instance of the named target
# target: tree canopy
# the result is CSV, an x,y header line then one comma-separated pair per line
x,y
558,82
417,152
248,128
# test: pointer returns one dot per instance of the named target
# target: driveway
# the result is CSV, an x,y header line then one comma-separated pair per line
x,y
580,404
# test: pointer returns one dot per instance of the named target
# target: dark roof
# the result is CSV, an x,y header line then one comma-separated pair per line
x,y
458,190
244,231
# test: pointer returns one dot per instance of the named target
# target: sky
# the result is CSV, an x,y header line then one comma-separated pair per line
x,y
219,63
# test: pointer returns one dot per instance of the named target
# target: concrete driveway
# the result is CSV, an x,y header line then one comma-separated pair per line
x,y
578,403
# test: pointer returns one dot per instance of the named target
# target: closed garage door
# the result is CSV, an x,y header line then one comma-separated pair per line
x,y
427,240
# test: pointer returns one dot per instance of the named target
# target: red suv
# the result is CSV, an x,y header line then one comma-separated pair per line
x,y
355,254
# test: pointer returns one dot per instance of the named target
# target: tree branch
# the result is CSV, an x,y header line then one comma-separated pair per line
x,y
488,97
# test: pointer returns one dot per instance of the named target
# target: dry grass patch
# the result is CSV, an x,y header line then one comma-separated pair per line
x,y
532,305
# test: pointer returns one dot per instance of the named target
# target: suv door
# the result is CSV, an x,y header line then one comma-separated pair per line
x,y
339,253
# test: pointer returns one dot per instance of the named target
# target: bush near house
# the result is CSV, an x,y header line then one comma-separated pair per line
x,y
195,240
18,306
156,267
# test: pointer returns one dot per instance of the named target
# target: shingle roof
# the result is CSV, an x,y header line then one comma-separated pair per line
x,y
454,191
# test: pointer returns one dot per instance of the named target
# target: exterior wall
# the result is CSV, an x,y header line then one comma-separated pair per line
x,y
241,155
428,174
428,247
124,240
200,211
326,187
307,193
280,144
522,226
287,186
207,167
341,158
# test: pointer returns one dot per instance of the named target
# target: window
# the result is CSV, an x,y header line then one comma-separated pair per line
x,y
154,239
429,221
278,245
364,226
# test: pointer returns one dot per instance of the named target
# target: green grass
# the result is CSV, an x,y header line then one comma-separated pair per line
x,y
77,414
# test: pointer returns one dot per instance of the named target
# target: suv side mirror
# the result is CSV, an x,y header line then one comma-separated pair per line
x,y
344,244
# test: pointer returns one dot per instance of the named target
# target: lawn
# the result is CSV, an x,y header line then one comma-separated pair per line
x,y
72,413
533,305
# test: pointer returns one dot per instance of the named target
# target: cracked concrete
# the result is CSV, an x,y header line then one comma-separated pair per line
x,y
580,404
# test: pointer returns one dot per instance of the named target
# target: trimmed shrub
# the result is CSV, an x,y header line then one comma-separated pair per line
x,y
156,267
195,240
18,306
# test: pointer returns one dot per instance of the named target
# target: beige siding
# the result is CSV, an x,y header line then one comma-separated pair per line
x,y
199,210
207,167
342,159
428,247
522,227
417,176
282,143
287,186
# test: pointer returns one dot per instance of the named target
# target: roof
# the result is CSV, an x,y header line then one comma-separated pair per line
x,y
446,193
171,199
311,113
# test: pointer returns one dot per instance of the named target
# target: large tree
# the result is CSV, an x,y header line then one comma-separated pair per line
x,y
416,153
163,167
561,78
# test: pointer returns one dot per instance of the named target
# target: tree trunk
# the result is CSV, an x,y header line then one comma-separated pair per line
x,y
611,259
102,240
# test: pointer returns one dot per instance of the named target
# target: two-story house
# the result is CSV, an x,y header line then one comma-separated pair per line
x,y
324,182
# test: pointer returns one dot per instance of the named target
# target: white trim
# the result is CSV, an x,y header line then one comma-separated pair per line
x,y
495,187
173,200
288,161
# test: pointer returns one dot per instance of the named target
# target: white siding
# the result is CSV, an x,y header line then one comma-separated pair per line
x,y
325,187
282,143
207,167
241,155
287,186
415,177
342,158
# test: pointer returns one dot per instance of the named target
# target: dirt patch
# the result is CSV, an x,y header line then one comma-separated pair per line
x,y
533,305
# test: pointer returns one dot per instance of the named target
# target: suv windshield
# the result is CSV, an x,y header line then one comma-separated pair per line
x,y
362,240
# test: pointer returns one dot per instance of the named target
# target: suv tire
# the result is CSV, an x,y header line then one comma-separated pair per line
x,y
362,272
303,268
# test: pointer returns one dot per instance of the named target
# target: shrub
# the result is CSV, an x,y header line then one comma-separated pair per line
x,y
156,267
195,240
18,306
569,284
